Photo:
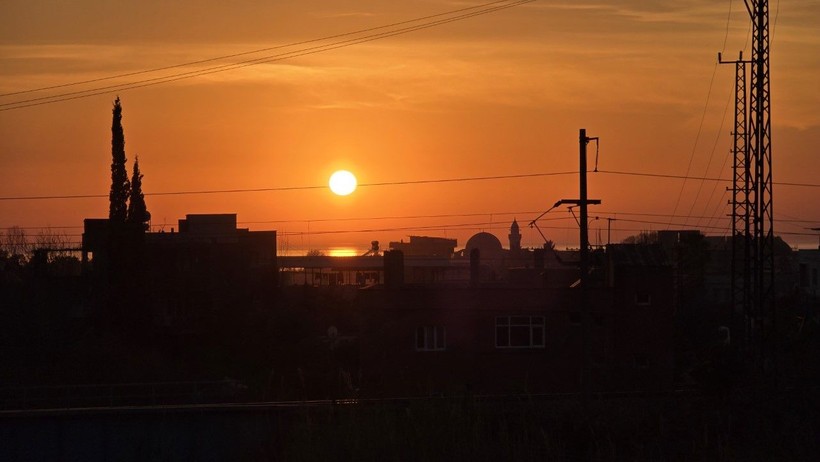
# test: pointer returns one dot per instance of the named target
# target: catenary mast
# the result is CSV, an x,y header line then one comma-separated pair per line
x,y
753,274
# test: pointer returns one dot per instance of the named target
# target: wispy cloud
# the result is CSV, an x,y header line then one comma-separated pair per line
x,y
346,14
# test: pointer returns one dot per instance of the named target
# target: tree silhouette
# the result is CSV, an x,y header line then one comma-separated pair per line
x,y
117,211
137,211
644,237
16,244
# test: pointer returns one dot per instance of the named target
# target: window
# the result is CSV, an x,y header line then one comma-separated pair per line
x,y
519,332
431,338
643,298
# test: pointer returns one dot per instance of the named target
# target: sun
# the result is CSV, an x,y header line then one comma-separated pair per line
x,y
342,183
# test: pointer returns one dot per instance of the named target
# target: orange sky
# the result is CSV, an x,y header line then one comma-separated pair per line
x,y
498,94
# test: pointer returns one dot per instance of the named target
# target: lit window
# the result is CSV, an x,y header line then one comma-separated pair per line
x,y
431,338
519,332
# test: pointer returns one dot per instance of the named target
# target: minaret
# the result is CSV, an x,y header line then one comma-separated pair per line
x,y
515,237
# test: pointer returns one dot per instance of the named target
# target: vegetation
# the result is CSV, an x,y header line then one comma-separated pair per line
x,y
120,187
16,245
126,199
524,429
137,211
644,237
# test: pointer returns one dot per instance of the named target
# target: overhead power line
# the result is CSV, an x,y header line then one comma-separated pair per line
x,y
247,53
664,175
689,177
292,188
616,216
452,226
474,226
697,140
389,183
462,14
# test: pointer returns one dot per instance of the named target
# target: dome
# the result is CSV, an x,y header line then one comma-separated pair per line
x,y
486,243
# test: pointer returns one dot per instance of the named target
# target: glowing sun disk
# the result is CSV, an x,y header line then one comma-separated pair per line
x,y
342,183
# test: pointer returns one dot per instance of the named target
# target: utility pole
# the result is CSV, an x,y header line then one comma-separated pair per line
x,y
583,202
609,230
582,170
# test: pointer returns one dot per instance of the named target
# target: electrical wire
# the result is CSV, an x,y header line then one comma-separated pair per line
x,y
266,59
246,53
697,139
719,205
689,177
395,183
603,214
718,137
296,188
728,21
459,227
479,226
492,224
700,125
663,175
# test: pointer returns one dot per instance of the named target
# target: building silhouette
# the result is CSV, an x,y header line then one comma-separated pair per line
x,y
420,318
188,278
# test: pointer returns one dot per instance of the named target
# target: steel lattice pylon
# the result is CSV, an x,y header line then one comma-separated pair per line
x,y
752,212
741,220
760,153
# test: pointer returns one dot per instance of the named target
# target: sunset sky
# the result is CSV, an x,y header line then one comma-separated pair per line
x,y
499,94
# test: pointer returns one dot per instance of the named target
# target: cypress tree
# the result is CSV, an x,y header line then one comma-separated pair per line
x,y
117,211
137,211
